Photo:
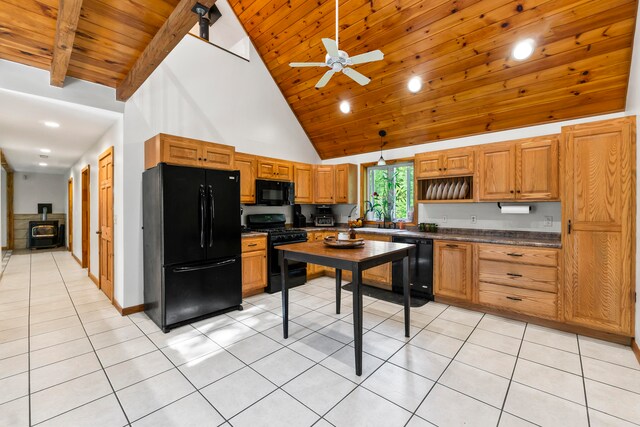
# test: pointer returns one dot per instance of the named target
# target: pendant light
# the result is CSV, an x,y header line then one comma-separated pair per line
x,y
381,161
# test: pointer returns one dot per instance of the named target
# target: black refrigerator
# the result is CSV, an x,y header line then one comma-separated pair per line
x,y
192,249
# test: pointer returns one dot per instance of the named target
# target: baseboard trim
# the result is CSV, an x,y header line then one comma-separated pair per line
x,y
128,310
94,279
636,349
77,260
5,248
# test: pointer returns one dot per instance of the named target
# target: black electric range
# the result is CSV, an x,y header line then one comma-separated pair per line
x,y
278,234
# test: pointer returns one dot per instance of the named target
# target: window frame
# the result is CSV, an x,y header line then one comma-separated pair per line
x,y
364,188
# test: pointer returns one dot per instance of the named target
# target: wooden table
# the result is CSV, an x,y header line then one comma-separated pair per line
x,y
372,254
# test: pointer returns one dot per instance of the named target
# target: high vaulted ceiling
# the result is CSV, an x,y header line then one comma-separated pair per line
x,y
461,50
116,43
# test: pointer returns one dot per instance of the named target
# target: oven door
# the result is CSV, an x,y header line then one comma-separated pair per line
x,y
274,193
297,270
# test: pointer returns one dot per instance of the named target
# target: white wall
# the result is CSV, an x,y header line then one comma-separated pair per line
x,y
29,189
113,137
3,207
202,92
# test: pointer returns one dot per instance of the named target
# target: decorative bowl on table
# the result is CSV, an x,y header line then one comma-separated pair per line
x,y
343,244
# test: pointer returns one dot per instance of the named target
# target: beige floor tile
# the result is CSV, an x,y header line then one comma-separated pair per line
x,y
124,351
502,325
402,387
559,359
437,343
551,338
487,359
550,380
190,411
420,361
446,407
137,369
613,401
319,388
449,328
282,366
66,370
612,374
364,408
60,352
210,367
342,362
481,385
277,408
105,411
498,342
608,352
14,387
15,413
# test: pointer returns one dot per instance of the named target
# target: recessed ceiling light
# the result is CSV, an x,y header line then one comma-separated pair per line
x,y
45,150
415,84
345,107
523,49
50,124
42,164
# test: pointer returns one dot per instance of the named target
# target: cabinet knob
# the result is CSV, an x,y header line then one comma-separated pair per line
x,y
199,158
445,168
511,191
518,191
205,160
514,298
439,169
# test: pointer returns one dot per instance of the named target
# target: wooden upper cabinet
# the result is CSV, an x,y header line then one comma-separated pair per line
x,y
599,217
497,172
453,269
445,163
303,180
247,165
181,151
537,164
275,169
346,176
428,165
324,179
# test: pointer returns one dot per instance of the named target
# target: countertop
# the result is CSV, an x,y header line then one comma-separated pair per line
x,y
501,237
253,234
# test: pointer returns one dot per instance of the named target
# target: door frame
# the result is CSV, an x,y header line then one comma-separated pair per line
x,y
70,214
10,216
108,152
86,217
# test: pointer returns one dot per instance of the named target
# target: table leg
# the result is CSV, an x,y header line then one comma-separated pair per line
x,y
338,289
356,281
407,294
284,279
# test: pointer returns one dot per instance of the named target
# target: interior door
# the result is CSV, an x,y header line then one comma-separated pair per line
x,y
105,221
86,217
599,220
184,214
223,216
70,214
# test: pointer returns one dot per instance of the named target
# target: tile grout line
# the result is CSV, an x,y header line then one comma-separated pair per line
x,y
515,365
29,341
90,343
584,383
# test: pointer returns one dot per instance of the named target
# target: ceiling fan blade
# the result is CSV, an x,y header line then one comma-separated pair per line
x,y
307,64
325,79
375,55
359,78
332,47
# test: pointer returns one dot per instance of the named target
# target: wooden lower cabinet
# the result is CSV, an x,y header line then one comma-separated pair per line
x,y
254,265
379,276
453,270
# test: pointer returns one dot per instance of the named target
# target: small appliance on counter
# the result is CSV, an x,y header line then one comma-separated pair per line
x,y
324,217
299,220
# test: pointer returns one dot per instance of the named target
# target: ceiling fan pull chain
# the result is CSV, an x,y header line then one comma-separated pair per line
x,y
337,6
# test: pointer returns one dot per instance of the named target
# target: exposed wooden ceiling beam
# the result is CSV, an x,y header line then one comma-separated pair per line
x,y
5,164
66,26
181,20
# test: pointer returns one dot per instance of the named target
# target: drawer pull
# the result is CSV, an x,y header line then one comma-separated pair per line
x,y
514,275
252,244
452,246
515,254
514,298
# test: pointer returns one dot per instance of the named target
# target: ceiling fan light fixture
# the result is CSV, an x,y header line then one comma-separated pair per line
x,y
524,49
345,107
415,84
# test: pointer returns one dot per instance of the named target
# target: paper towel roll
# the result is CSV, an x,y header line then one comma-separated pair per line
x,y
515,209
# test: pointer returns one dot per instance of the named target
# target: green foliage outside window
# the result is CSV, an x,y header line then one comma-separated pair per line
x,y
390,189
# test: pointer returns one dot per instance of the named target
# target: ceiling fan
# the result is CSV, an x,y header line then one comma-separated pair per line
x,y
339,60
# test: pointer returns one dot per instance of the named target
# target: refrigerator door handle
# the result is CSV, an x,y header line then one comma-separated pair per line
x,y
211,215
204,267
202,212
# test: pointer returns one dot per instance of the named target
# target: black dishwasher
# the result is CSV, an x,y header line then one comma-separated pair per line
x,y
420,268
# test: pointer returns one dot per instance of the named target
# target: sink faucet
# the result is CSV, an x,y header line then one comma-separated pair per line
x,y
352,210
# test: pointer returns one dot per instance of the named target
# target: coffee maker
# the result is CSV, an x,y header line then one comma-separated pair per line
x,y
324,216
299,220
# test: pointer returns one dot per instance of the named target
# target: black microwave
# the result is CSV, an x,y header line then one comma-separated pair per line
x,y
274,193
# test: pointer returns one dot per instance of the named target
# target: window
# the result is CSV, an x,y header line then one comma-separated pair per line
x,y
389,192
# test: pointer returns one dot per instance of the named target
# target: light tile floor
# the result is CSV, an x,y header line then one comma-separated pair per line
x,y
67,358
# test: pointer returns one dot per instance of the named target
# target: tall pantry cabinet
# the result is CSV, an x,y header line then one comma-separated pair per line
x,y
598,233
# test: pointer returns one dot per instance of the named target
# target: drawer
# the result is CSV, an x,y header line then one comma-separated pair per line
x,y
533,277
253,244
525,301
535,256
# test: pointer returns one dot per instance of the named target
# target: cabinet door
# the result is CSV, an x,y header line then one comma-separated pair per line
x,y
254,272
346,183
496,174
303,180
452,269
217,156
247,165
379,276
599,200
324,184
537,169
428,165
181,152
266,169
284,171
458,162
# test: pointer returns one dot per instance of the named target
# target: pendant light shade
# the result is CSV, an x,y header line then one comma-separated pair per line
x,y
381,160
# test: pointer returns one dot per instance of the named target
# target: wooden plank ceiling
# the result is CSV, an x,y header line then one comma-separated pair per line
x,y
462,52
108,38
